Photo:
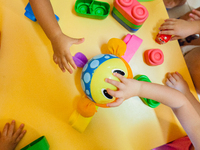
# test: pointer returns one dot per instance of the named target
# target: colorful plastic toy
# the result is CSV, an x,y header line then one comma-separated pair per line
x,y
149,102
39,144
29,13
129,13
132,44
162,38
92,9
93,78
154,57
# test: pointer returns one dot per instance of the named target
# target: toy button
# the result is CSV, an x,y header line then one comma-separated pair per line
x,y
100,11
139,12
125,3
83,8
154,57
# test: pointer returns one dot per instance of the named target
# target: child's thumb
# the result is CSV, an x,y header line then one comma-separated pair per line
x,y
79,41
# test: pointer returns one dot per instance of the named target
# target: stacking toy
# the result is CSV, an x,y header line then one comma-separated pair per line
x,y
162,38
92,9
130,14
149,102
39,144
154,57
29,13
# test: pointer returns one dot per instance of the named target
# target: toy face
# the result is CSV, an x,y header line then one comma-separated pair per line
x,y
94,73
162,38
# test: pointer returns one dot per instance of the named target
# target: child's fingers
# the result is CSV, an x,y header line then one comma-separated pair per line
x,y
60,65
178,74
5,129
115,83
11,129
116,94
79,41
175,38
168,83
118,102
18,132
66,65
166,30
71,61
20,136
120,77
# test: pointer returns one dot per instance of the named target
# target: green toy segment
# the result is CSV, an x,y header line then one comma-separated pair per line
x,y
92,9
149,102
39,144
119,15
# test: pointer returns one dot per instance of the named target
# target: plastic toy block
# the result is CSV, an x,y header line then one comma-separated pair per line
x,y
79,122
92,9
39,144
29,13
149,102
132,44
162,38
119,15
124,24
154,57
132,10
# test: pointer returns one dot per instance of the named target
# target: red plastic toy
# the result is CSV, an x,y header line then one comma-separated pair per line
x,y
162,38
132,10
154,57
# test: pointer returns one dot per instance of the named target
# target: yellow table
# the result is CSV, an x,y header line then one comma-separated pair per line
x,y
34,91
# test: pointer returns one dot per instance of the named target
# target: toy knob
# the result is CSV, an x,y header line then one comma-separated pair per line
x,y
139,12
125,3
83,8
154,57
127,38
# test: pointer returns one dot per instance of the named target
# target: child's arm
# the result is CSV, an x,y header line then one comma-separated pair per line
x,y
61,43
180,105
179,28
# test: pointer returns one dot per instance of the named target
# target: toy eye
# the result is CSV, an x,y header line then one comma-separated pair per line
x,y
105,93
119,71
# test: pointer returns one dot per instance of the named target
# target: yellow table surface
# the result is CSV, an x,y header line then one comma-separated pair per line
x,y
34,91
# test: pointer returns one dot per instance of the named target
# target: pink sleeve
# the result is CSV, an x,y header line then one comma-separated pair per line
x,y
183,143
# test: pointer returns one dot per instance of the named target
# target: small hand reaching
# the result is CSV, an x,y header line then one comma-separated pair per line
x,y
61,45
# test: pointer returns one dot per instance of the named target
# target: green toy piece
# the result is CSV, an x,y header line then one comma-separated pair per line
x,y
39,144
92,9
119,15
149,102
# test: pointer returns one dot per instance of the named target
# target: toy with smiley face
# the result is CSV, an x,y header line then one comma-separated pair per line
x,y
94,73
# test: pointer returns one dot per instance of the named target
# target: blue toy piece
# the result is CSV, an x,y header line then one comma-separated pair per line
x,y
29,13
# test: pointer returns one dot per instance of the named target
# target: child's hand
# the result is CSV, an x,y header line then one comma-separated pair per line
x,y
195,15
177,27
126,88
9,138
62,56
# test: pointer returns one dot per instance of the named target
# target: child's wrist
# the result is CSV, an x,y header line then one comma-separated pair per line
x,y
56,35
196,29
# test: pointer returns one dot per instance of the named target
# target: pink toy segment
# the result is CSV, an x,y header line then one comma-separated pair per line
x,y
154,57
132,44
132,10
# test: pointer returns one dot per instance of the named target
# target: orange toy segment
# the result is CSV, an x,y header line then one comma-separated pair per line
x,y
86,107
